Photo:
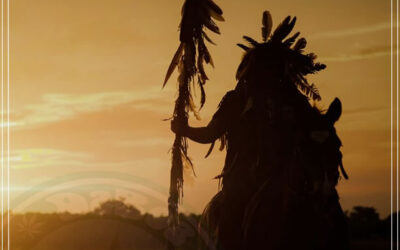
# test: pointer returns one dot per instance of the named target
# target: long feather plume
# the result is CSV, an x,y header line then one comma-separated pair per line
x,y
288,42
251,41
174,63
189,59
300,44
267,25
283,29
244,47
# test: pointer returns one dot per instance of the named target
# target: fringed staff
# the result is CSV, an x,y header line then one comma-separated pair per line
x,y
189,58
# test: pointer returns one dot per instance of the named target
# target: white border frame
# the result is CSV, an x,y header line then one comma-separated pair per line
x,y
7,124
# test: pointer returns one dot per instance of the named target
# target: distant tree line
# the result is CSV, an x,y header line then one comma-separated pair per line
x,y
365,223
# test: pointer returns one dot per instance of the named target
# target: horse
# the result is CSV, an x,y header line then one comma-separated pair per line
x,y
294,206
299,208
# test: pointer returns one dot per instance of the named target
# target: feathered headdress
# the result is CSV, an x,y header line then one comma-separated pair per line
x,y
276,51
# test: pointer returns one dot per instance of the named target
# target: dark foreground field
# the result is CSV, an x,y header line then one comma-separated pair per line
x,y
118,226
379,244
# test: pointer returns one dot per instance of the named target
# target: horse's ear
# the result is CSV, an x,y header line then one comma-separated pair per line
x,y
334,110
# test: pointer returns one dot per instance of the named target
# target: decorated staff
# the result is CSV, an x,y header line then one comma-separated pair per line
x,y
189,58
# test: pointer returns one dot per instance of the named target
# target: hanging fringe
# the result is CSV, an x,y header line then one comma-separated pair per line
x,y
189,59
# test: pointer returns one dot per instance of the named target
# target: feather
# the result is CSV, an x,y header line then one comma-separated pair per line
x,y
280,27
243,47
200,58
214,7
291,25
343,171
251,41
267,25
309,90
203,95
284,29
300,44
207,57
208,38
174,63
192,107
312,56
319,66
216,15
210,149
200,67
187,164
210,24
314,93
201,16
223,143
288,42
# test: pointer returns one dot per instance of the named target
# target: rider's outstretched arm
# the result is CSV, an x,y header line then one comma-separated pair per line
x,y
205,135
228,111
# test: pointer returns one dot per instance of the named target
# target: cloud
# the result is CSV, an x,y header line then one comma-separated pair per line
x,y
46,157
361,54
54,158
145,142
352,31
58,107
8,124
362,110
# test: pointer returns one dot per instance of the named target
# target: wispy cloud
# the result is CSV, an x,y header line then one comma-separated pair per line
x,y
57,107
46,157
367,53
8,124
145,142
55,158
362,110
352,31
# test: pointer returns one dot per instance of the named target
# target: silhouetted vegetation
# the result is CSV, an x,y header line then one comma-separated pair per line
x,y
114,224
365,223
367,230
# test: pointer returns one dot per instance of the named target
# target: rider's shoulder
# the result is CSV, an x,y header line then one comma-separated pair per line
x,y
232,97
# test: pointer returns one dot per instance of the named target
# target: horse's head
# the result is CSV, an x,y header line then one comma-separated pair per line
x,y
321,150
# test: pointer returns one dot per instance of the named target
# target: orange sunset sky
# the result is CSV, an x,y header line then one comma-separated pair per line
x,y
87,107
